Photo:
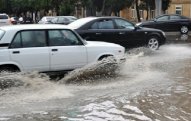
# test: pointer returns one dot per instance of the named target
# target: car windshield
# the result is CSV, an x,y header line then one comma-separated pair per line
x,y
78,23
1,33
72,18
49,18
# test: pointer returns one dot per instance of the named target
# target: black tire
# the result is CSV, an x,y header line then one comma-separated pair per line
x,y
153,43
184,30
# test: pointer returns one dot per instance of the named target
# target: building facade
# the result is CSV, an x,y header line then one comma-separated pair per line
x,y
182,7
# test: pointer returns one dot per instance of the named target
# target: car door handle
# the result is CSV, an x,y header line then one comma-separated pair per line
x,y
121,32
98,33
54,50
16,52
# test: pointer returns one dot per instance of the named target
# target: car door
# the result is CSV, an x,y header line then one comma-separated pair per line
x,y
67,51
127,34
162,23
176,22
101,30
31,54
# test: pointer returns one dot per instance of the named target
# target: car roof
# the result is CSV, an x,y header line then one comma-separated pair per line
x,y
48,16
171,15
78,23
33,26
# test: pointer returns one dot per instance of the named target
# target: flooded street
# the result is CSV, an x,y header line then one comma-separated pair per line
x,y
149,86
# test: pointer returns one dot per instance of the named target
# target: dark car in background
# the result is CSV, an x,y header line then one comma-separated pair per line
x,y
14,20
63,20
118,30
28,20
169,23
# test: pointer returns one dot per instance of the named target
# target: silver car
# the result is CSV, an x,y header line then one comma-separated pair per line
x,y
4,19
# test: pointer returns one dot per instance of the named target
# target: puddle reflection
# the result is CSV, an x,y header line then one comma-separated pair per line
x,y
176,37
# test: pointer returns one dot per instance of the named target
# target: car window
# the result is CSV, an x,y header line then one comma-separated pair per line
x,y
122,24
106,24
62,19
27,39
49,18
174,17
95,25
103,24
54,20
63,38
163,18
80,22
16,41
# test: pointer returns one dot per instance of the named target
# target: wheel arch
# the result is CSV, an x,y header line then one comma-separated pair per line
x,y
155,34
104,56
14,66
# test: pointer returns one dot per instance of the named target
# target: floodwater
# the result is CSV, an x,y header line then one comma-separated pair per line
x,y
149,86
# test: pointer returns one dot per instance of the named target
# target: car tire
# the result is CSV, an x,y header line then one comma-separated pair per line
x,y
153,43
184,29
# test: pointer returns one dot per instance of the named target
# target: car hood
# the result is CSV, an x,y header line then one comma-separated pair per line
x,y
149,29
98,43
144,23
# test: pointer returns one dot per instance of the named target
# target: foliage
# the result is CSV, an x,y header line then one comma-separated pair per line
x,y
67,7
165,4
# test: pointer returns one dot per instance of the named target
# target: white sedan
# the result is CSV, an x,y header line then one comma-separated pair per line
x,y
47,48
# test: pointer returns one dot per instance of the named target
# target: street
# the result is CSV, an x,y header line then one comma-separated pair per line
x,y
149,86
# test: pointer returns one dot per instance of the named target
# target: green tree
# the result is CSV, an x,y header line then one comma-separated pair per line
x,y
5,6
56,4
2,5
105,7
67,7
117,5
165,5
137,10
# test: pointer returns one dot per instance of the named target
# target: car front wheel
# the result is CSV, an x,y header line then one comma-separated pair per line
x,y
184,29
153,43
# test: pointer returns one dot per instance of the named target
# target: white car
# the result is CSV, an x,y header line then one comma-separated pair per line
x,y
4,19
45,48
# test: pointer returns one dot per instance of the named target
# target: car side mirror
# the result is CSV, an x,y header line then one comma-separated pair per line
x,y
155,20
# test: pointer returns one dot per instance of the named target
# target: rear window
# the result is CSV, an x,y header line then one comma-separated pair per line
x,y
80,22
3,17
1,33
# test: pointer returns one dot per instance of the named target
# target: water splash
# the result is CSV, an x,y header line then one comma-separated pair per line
x,y
141,51
106,68
21,79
